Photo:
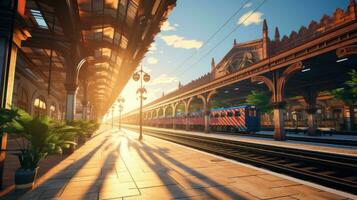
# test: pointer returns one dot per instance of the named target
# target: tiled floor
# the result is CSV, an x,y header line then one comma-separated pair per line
x,y
115,165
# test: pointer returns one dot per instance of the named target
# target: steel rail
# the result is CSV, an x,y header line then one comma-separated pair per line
x,y
331,170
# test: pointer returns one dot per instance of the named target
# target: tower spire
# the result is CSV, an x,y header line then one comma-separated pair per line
x,y
234,42
265,39
277,34
265,26
352,7
213,64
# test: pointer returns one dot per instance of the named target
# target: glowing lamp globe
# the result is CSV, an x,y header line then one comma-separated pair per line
x,y
136,76
146,77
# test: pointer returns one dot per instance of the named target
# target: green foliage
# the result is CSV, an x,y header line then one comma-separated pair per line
x,y
222,103
348,93
84,127
41,137
261,100
6,117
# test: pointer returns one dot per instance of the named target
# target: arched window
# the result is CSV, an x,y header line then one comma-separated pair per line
x,y
53,111
39,106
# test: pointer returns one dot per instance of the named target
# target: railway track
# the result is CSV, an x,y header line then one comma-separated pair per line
x,y
331,170
306,139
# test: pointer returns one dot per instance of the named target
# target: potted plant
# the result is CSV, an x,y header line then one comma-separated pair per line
x,y
85,129
93,126
40,136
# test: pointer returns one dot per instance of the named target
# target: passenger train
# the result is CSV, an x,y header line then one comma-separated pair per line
x,y
243,118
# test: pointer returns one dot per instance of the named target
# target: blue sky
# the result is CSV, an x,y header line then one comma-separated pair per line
x,y
192,22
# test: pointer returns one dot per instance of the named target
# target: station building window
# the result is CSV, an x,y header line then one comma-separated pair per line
x,y
53,111
39,106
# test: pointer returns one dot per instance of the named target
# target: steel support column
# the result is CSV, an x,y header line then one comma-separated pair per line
x,y
70,101
85,109
207,128
85,100
310,99
279,131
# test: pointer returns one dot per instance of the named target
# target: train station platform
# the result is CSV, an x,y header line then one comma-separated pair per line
x,y
115,165
311,146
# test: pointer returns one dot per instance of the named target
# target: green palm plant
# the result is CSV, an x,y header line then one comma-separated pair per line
x,y
261,100
348,94
7,116
41,137
85,128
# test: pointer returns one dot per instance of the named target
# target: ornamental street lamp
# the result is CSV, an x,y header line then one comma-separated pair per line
x,y
141,75
120,102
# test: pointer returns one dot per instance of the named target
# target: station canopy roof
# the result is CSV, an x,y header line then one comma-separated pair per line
x,y
115,34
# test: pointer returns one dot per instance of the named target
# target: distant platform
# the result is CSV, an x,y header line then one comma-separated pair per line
x,y
115,165
312,146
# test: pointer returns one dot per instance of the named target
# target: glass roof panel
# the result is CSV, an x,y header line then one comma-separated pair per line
x,y
39,18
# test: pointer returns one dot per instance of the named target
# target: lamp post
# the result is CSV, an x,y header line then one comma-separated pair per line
x,y
120,102
141,75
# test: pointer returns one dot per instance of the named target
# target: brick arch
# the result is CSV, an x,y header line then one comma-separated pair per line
x,y
292,69
160,112
177,104
188,104
210,95
167,108
267,82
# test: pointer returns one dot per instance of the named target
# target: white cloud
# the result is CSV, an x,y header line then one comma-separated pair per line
x,y
180,42
247,5
164,79
251,18
152,60
167,27
176,25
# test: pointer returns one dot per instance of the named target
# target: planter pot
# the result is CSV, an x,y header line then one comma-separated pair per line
x,y
82,140
69,150
24,179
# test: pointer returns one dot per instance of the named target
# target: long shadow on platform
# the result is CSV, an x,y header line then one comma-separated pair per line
x,y
54,185
158,154
108,169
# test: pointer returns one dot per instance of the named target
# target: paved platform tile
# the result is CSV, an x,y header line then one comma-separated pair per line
x,y
115,165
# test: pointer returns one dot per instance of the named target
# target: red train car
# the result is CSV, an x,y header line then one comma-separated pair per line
x,y
234,119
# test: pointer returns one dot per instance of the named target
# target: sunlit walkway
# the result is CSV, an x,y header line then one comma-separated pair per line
x,y
115,165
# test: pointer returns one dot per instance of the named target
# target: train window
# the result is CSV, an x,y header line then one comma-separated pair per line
x,y
223,114
237,114
230,114
216,115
